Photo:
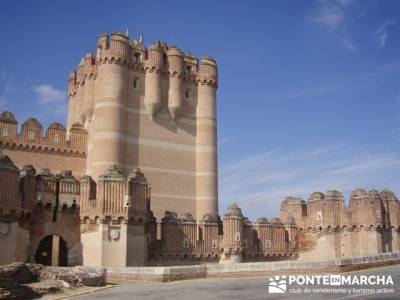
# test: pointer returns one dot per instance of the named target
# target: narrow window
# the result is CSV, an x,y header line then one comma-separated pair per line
x,y
31,135
187,94
137,58
5,132
56,139
186,242
188,70
135,82
237,236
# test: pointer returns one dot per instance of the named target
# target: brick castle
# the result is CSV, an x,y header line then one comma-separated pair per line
x,y
132,179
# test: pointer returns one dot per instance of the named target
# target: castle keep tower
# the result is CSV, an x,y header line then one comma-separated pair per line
x,y
154,108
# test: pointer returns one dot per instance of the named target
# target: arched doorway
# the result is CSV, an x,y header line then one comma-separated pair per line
x,y
52,251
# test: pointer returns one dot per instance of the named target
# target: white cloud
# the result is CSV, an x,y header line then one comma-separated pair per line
x,y
382,32
48,94
345,2
348,44
258,183
330,15
335,15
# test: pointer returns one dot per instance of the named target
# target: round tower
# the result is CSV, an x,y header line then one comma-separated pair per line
x,y
80,91
233,235
206,139
175,62
71,98
88,96
153,68
108,129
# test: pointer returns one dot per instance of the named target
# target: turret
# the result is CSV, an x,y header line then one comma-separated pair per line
x,y
108,129
114,218
80,90
315,210
366,209
8,125
88,95
10,206
206,139
233,234
334,209
294,208
153,79
175,62
71,98
392,206
31,131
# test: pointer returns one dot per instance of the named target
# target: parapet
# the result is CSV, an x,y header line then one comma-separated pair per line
x,y
23,193
188,218
7,164
386,194
31,136
209,218
293,201
7,117
115,198
327,211
359,194
170,217
28,170
119,49
334,195
233,210
262,220
137,176
316,196
112,173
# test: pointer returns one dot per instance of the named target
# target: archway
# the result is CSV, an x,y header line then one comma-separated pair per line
x,y
52,251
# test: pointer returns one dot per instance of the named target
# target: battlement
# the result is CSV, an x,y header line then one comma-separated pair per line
x,y
371,210
31,137
116,198
119,49
24,192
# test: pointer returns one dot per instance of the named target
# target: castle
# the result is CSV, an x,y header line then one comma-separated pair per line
x,y
132,179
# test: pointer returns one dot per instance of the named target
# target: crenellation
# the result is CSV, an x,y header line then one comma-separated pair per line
x,y
136,110
334,230
31,136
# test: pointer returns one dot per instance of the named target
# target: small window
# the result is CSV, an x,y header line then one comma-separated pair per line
x,y
5,132
237,236
165,60
187,94
186,242
319,215
137,59
188,70
31,135
135,83
56,139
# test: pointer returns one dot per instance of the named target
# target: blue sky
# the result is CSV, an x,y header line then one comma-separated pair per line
x,y
308,98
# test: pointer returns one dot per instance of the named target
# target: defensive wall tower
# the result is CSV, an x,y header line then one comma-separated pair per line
x,y
328,229
52,150
154,108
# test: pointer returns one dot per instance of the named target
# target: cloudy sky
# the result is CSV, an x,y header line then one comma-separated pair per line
x,y
309,93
